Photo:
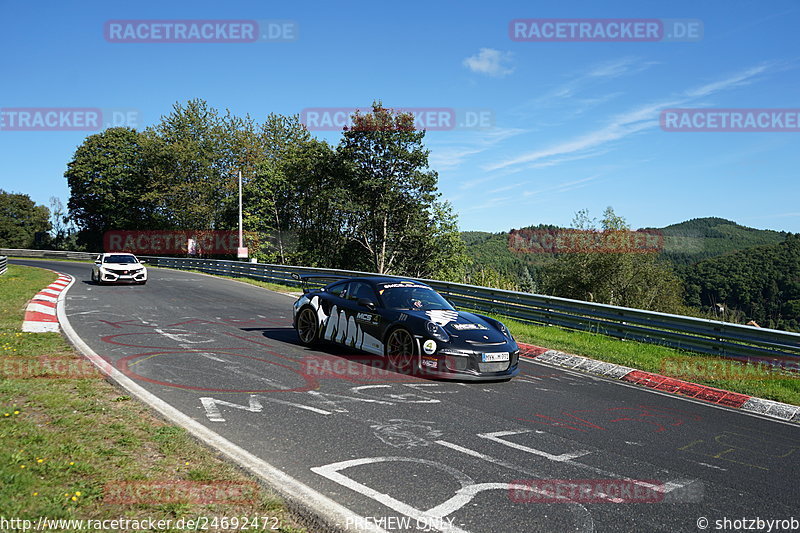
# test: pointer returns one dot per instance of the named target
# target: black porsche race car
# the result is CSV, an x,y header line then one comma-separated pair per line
x,y
410,324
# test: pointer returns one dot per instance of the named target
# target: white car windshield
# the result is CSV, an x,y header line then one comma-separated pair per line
x,y
120,259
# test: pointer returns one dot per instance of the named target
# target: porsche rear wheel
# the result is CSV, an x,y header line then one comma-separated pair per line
x,y
401,349
307,326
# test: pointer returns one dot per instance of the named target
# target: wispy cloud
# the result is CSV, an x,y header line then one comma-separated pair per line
x,y
631,122
591,77
531,196
444,157
490,62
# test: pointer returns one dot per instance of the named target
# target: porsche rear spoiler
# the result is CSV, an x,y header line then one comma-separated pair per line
x,y
305,280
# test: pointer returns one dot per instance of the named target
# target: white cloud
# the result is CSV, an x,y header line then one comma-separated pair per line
x,y
489,61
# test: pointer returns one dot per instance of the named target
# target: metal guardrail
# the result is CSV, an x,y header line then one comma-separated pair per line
x,y
48,254
676,331
3,264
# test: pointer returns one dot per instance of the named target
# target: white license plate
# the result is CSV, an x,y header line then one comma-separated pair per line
x,y
495,356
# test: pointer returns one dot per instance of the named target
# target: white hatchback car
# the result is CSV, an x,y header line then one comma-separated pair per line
x,y
118,268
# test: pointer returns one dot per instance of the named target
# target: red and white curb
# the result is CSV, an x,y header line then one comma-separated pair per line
x,y
40,315
782,411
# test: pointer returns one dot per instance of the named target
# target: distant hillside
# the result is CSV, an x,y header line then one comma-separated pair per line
x,y
697,239
685,243
761,283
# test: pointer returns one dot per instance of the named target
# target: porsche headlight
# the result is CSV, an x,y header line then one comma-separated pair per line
x,y
502,327
437,332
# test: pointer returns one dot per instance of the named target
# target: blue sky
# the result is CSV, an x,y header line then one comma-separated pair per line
x,y
575,124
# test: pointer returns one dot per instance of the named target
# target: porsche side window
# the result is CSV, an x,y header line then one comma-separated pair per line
x,y
338,289
360,289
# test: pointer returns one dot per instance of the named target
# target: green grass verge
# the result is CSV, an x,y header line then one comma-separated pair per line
x,y
68,444
708,370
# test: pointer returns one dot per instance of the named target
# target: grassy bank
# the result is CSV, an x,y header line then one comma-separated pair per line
x,y
713,371
74,446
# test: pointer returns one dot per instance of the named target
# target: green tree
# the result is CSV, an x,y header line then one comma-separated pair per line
x,y
196,182
20,220
109,185
271,198
624,278
760,283
392,204
315,173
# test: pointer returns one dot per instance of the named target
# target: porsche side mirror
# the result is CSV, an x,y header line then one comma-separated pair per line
x,y
366,302
97,262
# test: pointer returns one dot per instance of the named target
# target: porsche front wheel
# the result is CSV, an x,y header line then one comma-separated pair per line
x,y
307,326
400,349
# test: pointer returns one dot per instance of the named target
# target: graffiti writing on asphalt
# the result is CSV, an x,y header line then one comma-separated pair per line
x,y
657,418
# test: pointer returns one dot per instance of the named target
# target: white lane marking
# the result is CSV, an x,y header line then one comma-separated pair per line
x,y
324,396
566,459
713,466
298,405
212,357
536,475
213,413
331,472
179,336
495,437
434,518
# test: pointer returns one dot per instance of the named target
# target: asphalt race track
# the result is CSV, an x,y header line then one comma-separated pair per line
x,y
412,454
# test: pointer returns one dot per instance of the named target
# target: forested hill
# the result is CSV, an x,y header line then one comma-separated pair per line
x,y
685,243
762,283
702,238
752,274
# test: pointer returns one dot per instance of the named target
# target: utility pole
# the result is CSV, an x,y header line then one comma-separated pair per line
x,y
241,252
241,244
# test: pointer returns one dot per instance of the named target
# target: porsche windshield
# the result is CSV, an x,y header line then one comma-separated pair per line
x,y
415,297
120,259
